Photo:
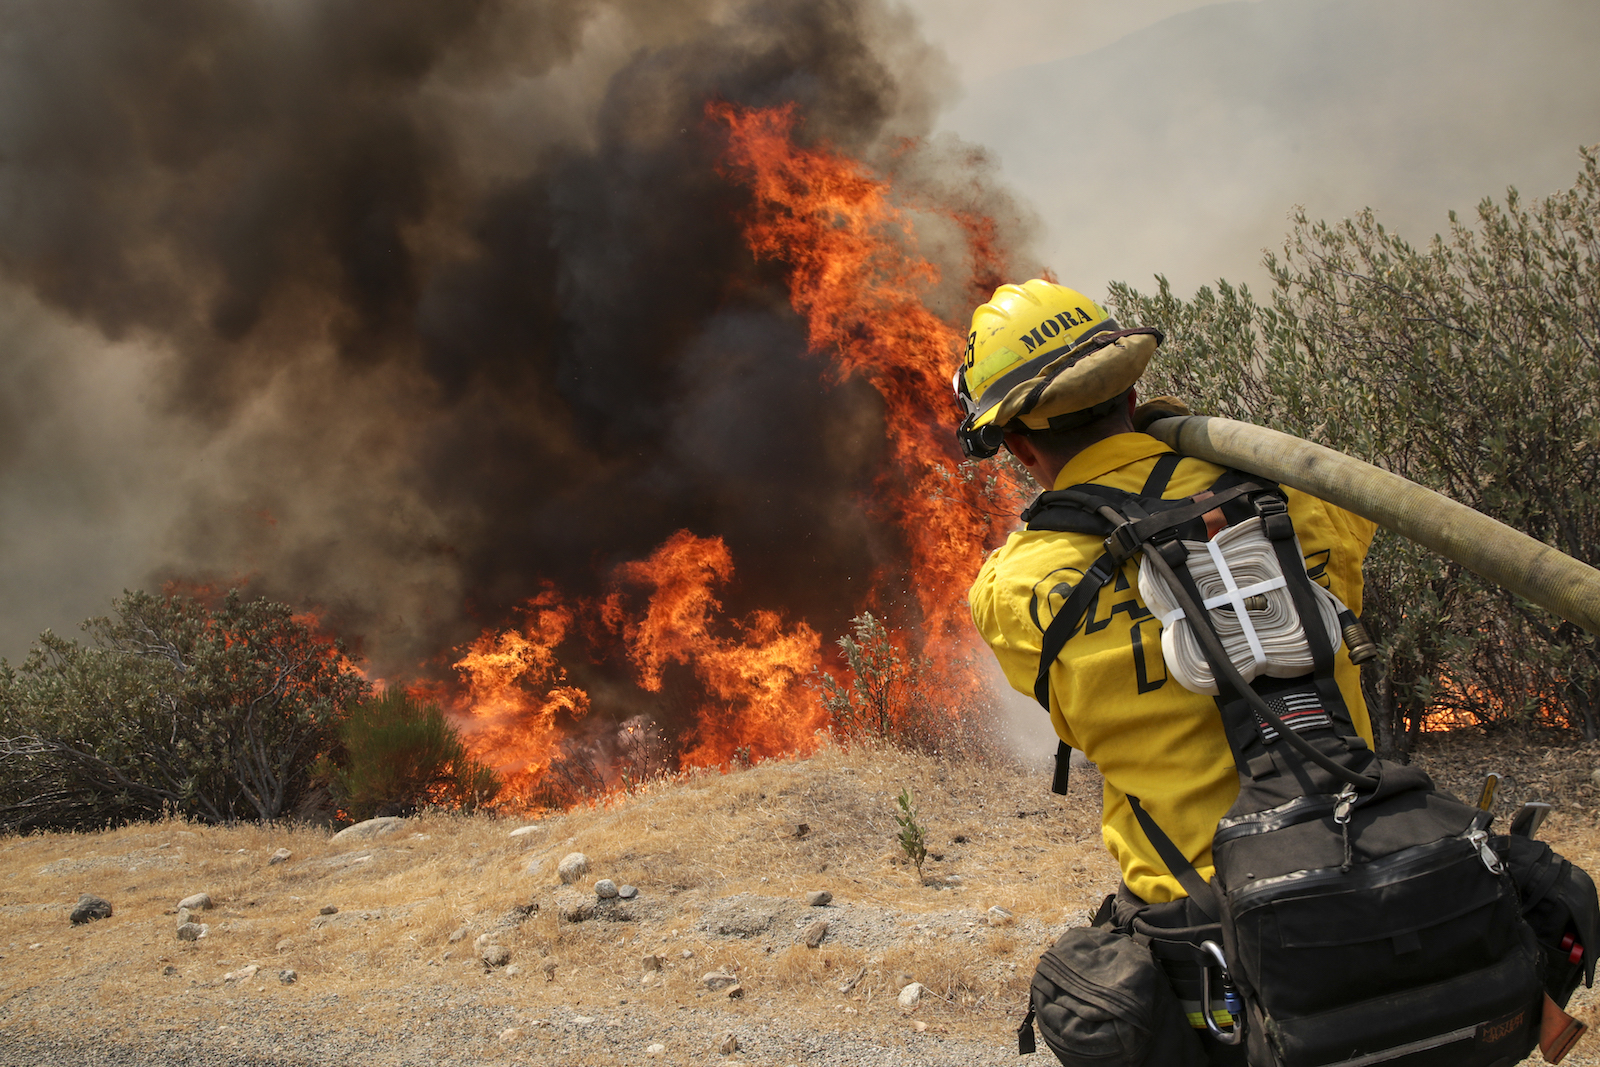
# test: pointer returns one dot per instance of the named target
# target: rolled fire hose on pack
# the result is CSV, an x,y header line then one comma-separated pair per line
x,y
1490,549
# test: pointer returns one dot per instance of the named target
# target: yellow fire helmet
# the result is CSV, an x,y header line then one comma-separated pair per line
x,y
1042,356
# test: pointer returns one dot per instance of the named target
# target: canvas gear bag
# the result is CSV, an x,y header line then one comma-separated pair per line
x,y
1366,919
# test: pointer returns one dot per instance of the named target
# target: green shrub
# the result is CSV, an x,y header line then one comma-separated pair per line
x,y
400,754
1470,365
215,713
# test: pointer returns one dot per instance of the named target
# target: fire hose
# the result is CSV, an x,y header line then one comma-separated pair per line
x,y
1490,549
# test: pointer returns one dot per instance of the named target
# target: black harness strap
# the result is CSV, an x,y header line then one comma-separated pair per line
x,y
1199,890
1057,633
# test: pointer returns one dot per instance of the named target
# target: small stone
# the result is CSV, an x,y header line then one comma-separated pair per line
x,y
288,976
495,955
280,856
549,969
997,916
952,879
582,1020
512,971
284,944
605,889
458,934
655,1051
524,831
185,915
89,909
243,974
653,962
197,902
686,954
1594,776
169,970
911,994
736,992
189,932
727,1043
819,898
717,980
802,830
364,831
627,892
816,932
573,865
919,1026
511,1035
328,909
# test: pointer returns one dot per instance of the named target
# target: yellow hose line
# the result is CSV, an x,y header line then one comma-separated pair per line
x,y
1491,549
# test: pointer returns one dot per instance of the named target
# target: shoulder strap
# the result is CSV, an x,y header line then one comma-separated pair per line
x,y
1065,624
1161,474
1199,890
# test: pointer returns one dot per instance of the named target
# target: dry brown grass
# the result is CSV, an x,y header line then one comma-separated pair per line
x,y
695,847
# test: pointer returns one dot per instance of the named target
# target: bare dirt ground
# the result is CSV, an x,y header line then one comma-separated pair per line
x,y
722,868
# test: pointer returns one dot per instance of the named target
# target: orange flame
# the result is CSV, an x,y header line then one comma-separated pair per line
x,y
517,694
858,280
755,672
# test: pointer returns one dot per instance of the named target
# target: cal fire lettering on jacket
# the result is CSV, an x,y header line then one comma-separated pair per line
x,y
1052,327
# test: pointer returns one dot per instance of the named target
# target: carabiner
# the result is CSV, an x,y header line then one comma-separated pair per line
x,y
1230,997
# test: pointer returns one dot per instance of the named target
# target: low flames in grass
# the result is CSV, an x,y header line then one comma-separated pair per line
x,y
854,274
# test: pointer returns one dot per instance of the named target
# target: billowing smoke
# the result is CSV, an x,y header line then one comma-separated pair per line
x,y
415,308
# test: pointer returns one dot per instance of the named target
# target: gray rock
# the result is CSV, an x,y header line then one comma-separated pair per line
x,y
184,916
911,994
653,961
727,1043
190,932
524,831
574,865
243,974
89,909
458,934
605,889
279,856
718,980
288,977
328,909
366,831
820,898
627,892
816,932
495,955
573,906
197,902
997,916
735,992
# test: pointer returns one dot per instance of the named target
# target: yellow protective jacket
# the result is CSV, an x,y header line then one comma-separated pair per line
x,y
1110,696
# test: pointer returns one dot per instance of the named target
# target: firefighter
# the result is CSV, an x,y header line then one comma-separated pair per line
x,y
1050,376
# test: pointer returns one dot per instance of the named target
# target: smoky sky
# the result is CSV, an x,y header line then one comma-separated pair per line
x,y
409,309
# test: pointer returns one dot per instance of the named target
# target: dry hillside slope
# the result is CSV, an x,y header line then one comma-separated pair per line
x,y
395,975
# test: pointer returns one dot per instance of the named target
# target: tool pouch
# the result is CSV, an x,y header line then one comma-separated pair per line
x,y
1559,902
1100,998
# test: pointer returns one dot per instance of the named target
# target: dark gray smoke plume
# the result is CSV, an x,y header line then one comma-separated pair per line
x,y
407,308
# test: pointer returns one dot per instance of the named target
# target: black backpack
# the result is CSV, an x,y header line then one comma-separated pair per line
x,y
1365,917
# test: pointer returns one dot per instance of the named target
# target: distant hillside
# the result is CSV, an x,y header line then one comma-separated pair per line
x,y
1182,147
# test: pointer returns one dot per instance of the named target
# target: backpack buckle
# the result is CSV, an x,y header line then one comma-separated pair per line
x,y
1122,543
1275,521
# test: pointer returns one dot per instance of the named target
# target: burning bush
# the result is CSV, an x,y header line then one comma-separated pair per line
x,y
1469,366
216,713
